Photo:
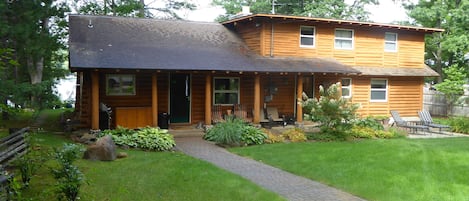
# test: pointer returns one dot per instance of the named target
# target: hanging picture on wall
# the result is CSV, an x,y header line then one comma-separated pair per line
x,y
120,85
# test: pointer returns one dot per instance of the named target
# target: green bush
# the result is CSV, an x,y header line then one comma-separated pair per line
x,y
226,133
371,133
334,113
294,135
69,177
252,136
369,122
234,132
147,138
459,124
323,137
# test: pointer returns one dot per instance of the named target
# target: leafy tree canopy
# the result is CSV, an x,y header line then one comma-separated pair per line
x,y
447,48
337,9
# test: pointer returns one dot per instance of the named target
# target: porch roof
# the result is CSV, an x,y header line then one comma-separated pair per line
x,y
425,71
97,42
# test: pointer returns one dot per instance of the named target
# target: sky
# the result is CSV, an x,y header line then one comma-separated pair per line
x,y
386,12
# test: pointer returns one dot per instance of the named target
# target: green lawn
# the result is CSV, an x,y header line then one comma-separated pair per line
x,y
151,176
400,169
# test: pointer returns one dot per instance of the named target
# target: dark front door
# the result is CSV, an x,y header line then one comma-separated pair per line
x,y
180,99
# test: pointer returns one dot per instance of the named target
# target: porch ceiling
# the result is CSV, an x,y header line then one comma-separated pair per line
x,y
99,42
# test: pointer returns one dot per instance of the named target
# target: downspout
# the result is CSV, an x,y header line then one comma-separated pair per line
x,y
272,39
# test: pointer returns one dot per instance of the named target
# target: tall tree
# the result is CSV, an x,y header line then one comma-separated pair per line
x,y
337,9
449,47
166,9
36,32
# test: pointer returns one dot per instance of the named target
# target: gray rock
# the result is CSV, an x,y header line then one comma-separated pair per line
x,y
103,150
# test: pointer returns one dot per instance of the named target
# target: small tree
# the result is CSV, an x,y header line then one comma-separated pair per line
x,y
453,85
331,110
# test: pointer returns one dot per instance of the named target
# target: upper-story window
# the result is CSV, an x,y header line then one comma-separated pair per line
x,y
379,90
343,39
390,42
346,87
307,35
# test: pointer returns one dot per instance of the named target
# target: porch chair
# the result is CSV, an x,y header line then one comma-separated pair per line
x,y
217,114
404,124
239,111
272,114
262,119
427,120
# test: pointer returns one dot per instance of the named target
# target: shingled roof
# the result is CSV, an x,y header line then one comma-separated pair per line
x,y
128,43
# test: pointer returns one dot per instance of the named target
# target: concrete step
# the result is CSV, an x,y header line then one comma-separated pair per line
x,y
187,132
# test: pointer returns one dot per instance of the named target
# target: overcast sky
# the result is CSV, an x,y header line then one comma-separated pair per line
x,y
388,11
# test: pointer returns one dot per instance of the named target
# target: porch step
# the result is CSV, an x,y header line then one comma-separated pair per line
x,y
187,132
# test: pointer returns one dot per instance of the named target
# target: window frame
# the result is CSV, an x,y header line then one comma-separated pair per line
x,y
379,90
349,87
308,36
391,42
120,90
342,38
215,91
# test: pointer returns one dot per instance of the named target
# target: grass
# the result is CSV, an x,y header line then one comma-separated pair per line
x,y
149,176
399,169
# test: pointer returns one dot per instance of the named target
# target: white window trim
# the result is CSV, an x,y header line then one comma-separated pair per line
x,y
308,36
341,38
347,87
391,42
225,91
385,90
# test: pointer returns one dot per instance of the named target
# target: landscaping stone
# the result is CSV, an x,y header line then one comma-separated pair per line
x,y
103,150
122,155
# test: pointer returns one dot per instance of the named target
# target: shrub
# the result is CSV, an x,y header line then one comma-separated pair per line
x,y
334,113
69,177
323,137
369,133
252,135
459,124
294,135
369,122
226,133
29,164
147,138
272,138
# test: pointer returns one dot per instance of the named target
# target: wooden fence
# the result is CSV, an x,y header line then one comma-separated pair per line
x,y
435,103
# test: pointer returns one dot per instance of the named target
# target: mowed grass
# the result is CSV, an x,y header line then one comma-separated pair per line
x,y
400,169
150,176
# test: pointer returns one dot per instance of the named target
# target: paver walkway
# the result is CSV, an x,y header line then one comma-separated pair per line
x,y
288,185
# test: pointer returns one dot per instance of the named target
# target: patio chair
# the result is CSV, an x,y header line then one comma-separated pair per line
x,y
262,119
217,114
240,112
407,125
272,113
427,120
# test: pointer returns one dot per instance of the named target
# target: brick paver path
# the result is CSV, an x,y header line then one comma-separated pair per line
x,y
290,186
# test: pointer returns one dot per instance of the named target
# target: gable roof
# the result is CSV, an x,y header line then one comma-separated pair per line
x,y
330,21
133,43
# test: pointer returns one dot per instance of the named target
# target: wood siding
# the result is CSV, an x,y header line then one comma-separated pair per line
x,y
368,44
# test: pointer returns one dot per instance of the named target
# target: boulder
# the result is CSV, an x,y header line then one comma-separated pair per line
x,y
103,150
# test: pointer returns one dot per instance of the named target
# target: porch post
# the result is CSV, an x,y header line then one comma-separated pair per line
x,y
299,95
154,99
208,99
257,99
95,100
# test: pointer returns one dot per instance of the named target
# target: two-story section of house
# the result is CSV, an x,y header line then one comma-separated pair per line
x,y
390,58
198,71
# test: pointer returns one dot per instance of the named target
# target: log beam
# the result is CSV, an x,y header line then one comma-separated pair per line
x,y
95,100
208,99
257,99
299,94
154,99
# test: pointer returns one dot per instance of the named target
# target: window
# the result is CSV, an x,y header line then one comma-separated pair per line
x,y
346,87
390,42
307,36
379,90
120,84
226,91
343,39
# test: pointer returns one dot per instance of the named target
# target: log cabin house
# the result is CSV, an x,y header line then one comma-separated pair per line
x,y
143,67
